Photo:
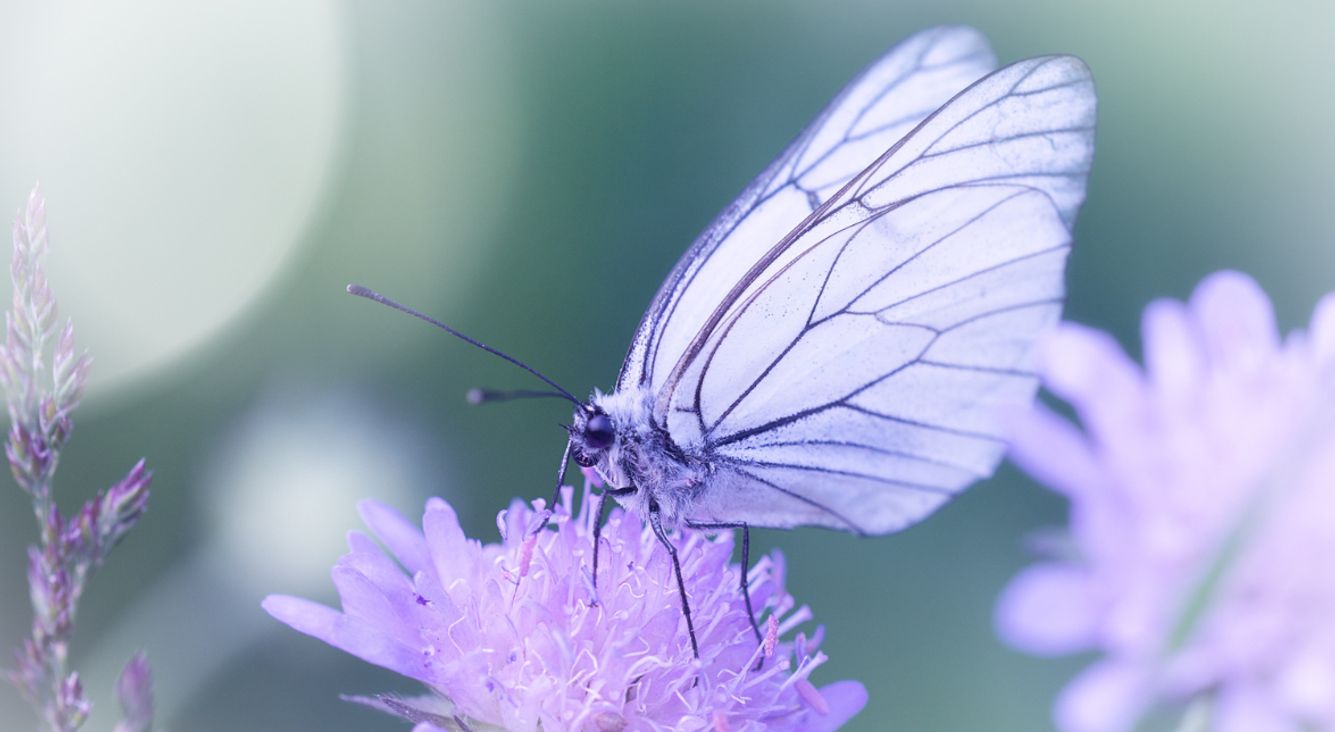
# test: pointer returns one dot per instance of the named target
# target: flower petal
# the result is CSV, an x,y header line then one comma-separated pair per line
x,y
308,617
1322,330
1307,685
1106,697
1244,708
1236,320
1049,610
381,606
403,539
1053,451
1087,368
367,558
1175,357
843,699
445,541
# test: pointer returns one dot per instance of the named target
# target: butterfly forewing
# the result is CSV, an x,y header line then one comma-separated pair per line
x,y
854,375
877,109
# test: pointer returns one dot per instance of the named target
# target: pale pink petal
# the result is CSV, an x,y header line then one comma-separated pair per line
x,y
1077,361
445,540
383,607
1107,697
1241,707
310,618
1236,320
346,634
1307,685
1053,451
403,539
367,558
1087,368
1175,357
1322,330
843,699
1049,610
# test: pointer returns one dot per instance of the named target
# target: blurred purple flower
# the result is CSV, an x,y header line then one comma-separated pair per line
x,y
1202,529
509,635
135,691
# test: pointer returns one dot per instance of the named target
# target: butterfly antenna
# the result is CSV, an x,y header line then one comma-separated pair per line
x,y
370,294
488,396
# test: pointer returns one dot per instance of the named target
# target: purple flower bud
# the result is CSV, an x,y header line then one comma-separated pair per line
x,y
20,457
64,348
53,527
135,690
80,533
40,587
29,674
72,706
121,506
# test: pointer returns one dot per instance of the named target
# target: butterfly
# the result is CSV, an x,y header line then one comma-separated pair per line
x,y
837,348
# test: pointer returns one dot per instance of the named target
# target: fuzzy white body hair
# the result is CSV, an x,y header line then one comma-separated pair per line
x,y
644,457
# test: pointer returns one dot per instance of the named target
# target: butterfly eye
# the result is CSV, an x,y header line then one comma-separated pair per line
x,y
598,433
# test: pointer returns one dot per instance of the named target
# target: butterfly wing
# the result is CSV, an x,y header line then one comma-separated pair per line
x,y
854,374
877,108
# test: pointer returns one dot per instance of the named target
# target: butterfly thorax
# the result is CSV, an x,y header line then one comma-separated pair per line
x,y
643,456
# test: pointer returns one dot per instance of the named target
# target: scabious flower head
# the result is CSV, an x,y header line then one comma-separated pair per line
x,y
1201,553
510,636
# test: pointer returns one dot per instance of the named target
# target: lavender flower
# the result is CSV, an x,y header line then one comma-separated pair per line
x,y
511,635
40,400
1202,534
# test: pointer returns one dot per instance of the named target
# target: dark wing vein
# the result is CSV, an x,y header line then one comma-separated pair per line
x,y
923,487
852,194
648,336
852,525
816,302
875,449
843,401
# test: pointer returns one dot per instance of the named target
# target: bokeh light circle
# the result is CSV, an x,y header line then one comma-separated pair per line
x,y
183,149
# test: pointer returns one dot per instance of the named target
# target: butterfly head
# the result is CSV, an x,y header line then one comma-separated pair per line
x,y
592,434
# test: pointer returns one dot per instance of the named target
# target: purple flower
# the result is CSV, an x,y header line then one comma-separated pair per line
x,y
1202,530
135,691
511,636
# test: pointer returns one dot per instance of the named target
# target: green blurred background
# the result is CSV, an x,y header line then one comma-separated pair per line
x,y
529,172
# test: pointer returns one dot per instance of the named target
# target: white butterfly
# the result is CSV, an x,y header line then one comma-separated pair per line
x,y
836,348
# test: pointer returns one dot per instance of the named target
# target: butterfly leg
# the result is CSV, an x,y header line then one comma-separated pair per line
x,y
746,568
600,518
663,539
560,481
